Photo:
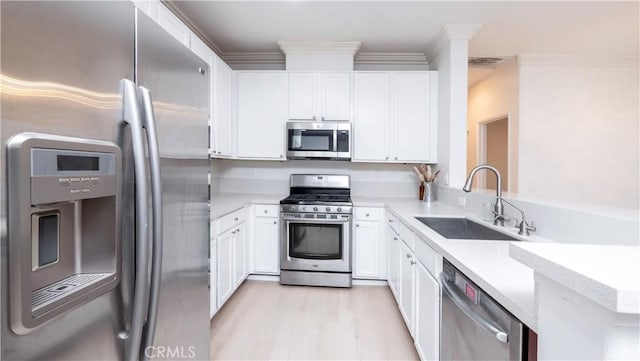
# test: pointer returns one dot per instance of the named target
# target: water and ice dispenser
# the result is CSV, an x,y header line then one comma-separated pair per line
x,y
64,220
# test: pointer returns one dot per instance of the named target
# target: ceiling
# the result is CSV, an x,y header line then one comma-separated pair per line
x,y
508,28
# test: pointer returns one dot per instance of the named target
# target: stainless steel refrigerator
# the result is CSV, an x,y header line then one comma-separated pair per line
x,y
104,186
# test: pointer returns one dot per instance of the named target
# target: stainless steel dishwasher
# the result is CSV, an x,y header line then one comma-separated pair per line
x,y
473,325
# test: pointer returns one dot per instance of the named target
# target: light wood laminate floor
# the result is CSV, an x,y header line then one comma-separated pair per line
x,y
267,321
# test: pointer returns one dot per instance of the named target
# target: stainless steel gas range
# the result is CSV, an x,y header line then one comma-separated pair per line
x,y
316,231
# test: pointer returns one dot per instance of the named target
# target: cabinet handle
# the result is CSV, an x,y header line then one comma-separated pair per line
x,y
314,117
386,158
367,215
391,221
275,222
413,263
395,238
396,158
408,256
235,219
265,211
357,225
322,118
281,156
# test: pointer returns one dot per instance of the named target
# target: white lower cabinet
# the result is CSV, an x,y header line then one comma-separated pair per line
x,y
266,242
413,270
407,286
369,244
394,263
225,267
427,312
240,254
212,278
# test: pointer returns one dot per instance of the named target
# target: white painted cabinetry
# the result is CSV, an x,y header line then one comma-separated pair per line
x,y
369,244
413,270
395,117
231,263
174,26
319,96
213,305
261,106
266,239
222,129
427,312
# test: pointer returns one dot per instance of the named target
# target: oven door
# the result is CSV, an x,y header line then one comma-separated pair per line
x,y
312,140
316,244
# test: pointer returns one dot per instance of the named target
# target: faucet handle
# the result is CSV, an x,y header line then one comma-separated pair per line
x,y
526,228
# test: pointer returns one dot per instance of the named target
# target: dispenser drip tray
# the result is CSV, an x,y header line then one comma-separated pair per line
x,y
45,296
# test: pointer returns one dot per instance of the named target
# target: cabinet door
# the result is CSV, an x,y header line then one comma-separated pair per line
x,y
303,88
394,263
222,130
371,117
335,90
240,252
267,242
212,278
225,267
427,314
411,117
407,285
366,255
261,115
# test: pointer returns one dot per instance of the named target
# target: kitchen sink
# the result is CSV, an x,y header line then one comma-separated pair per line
x,y
462,228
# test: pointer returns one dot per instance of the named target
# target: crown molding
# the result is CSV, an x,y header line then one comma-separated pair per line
x,y
196,30
334,47
391,58
579,60
449,33
264,57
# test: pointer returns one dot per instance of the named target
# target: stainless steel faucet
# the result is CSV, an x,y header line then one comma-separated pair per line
x,y
498,208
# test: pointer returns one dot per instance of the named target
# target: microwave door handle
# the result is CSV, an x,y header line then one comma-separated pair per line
x,y
335,141
131,116
149,123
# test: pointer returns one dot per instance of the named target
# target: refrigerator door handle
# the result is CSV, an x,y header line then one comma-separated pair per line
x,y
131,116
149,123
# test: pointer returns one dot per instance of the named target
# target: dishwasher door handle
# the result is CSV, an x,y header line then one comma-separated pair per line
x,y
484,323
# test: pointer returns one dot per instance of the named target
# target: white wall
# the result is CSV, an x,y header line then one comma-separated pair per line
x,y
493,98
579,128
367,179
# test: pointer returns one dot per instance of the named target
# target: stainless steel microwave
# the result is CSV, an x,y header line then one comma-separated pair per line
x,y
319,140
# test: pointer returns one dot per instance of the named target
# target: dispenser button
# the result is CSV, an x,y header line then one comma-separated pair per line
x,y
74,179
74,191
95,180
85,190
63,181
85,179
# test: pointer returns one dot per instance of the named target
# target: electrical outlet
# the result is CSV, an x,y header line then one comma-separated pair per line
x,y
462,201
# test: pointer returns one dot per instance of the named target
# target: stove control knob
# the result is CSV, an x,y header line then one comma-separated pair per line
x,y
328,209
339,209
292,208
315,209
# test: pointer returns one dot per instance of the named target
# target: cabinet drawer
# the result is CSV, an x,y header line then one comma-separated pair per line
x,y
431,260
266,210
230,220
368,213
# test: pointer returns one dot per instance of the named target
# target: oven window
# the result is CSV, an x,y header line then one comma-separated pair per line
x,y
311,140
315,241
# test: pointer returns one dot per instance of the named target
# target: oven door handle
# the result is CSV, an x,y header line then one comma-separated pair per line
x,y
484,323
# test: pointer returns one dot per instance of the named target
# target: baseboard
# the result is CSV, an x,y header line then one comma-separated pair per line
x,y
356,282
270,278
359,282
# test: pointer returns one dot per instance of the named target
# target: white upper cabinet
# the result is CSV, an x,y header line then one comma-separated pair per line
x,y
395,117
319,96
222,130
201,49
371,116
412,104
262,104
173,25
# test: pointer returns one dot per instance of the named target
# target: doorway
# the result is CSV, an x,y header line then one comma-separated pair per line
x,y
493,149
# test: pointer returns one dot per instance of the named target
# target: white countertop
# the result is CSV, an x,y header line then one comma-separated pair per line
x,y
487,263
607,275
